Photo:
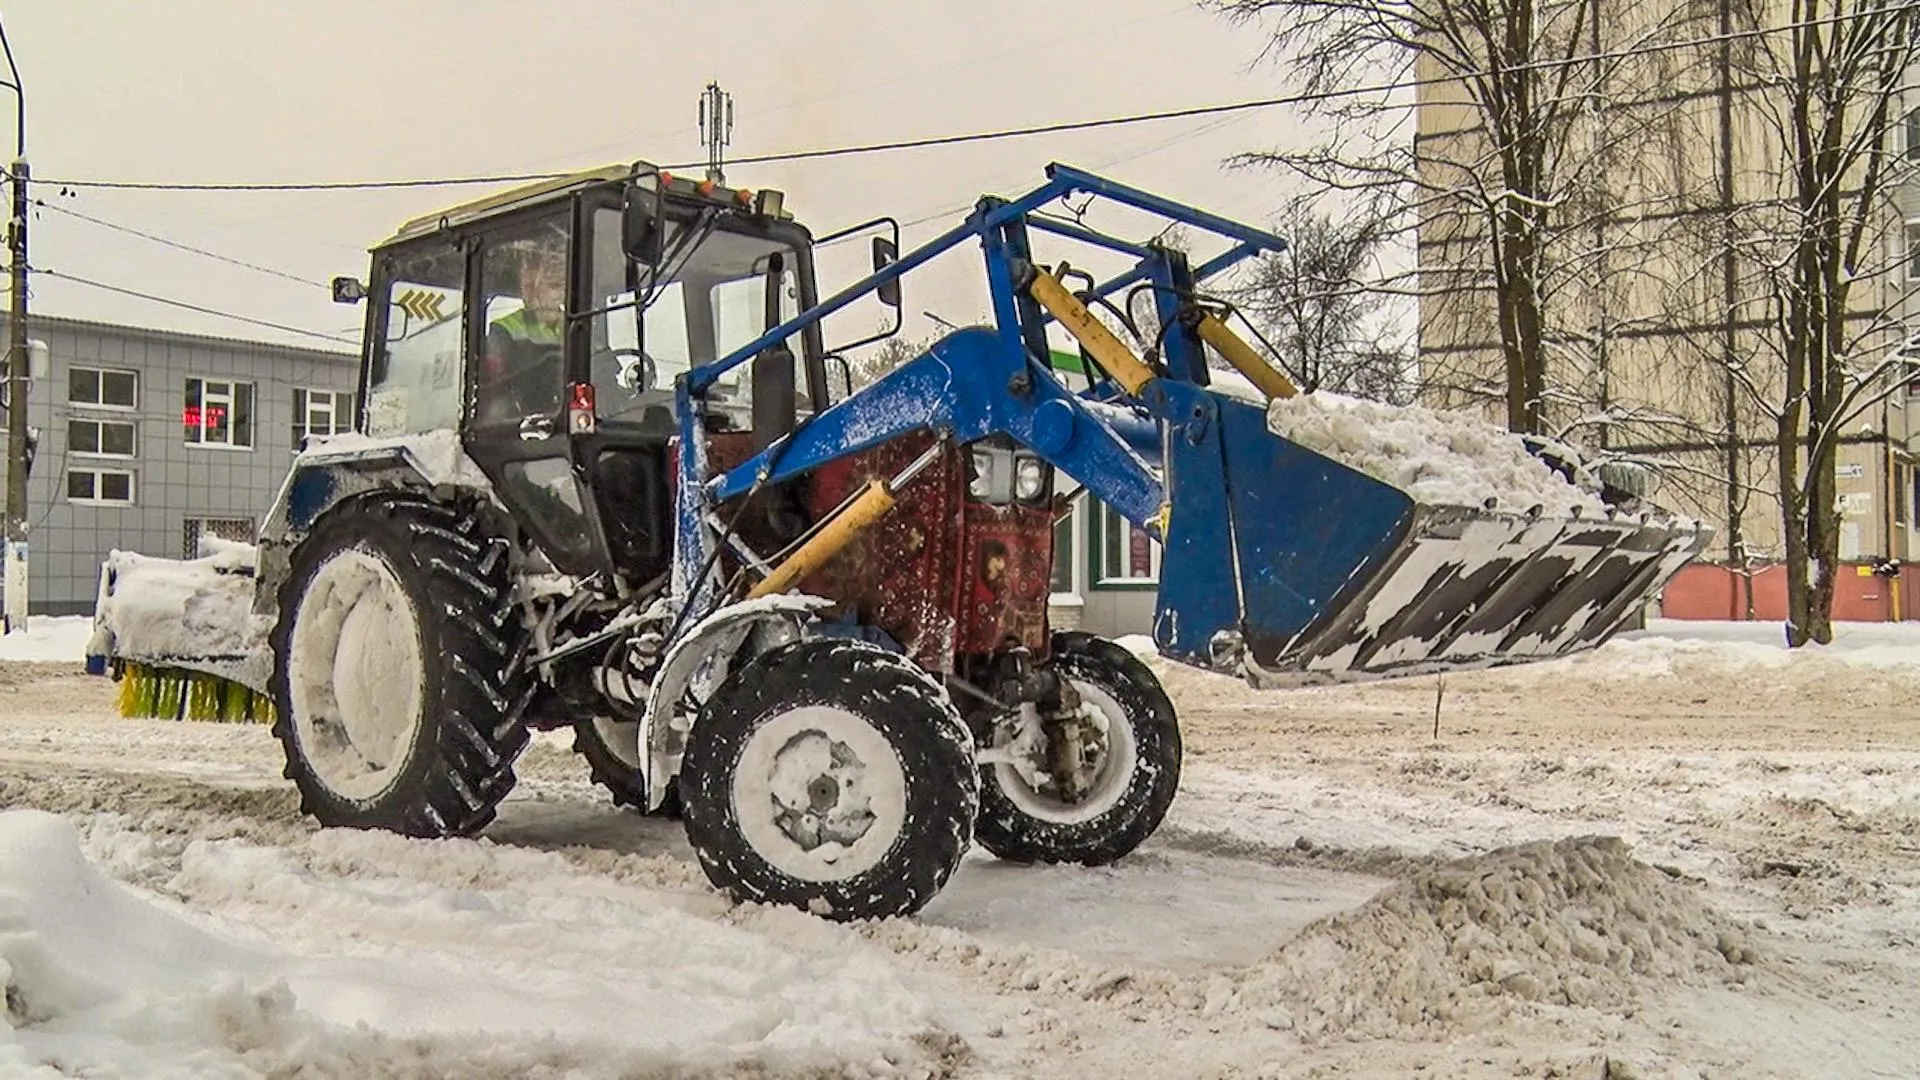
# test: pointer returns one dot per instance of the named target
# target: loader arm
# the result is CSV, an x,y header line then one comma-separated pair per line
x,y
1281,564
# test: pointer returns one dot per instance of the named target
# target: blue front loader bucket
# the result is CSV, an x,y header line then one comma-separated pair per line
x,y
1336,576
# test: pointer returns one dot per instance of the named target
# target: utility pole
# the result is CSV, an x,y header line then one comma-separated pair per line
x,y
716,128
13,554
17,374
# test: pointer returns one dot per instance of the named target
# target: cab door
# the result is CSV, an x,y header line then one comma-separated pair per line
x,y
520,344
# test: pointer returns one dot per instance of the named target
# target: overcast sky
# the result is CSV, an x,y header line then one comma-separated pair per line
x,y
221,90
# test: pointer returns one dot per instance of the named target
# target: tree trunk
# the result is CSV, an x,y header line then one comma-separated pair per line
x,y
1793,520
1521,328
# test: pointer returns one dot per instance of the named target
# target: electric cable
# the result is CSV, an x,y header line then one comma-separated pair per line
x,y
165,242
887,146
200,308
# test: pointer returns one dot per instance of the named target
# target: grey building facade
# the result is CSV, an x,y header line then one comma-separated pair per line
x,y
149,439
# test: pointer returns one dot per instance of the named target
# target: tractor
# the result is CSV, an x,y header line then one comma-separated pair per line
x,y
607,476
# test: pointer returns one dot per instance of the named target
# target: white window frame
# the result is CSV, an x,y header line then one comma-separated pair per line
x,y
339,422
101,382
1909,250
1153,551
133,486
100,424
1076,556
226,399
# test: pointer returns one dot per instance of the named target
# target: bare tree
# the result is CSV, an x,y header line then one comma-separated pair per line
x,y
1822,252
871,362
1319,306
1497,189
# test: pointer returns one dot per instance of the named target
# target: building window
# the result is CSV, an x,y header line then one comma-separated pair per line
x,y
107,438
219,413
102,389
1063,555
195,530
1127,554
1913,251
1069,560
320,413
100,486
1912,127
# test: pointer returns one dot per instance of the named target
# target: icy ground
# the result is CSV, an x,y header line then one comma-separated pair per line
x,y
1690,854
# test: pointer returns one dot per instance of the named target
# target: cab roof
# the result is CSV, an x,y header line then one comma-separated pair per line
x,y
559,187
531,194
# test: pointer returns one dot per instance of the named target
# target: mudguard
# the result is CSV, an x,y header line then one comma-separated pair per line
x,y
701,659
344,466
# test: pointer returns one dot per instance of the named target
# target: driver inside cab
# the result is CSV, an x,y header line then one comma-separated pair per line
x,y
521,366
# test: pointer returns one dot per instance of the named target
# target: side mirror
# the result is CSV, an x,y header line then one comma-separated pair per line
x,y
885,254
348,290
643,225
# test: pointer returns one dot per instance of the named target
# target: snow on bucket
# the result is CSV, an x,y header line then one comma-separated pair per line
x,y
1366,540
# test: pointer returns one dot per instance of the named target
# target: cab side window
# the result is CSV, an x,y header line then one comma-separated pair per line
x,y
413,382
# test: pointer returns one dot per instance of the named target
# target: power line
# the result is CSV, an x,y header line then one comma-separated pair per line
x,y
165,242
169,301
1060,127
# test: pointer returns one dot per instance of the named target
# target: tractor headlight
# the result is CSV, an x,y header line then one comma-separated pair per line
x,y
1029,478
981,485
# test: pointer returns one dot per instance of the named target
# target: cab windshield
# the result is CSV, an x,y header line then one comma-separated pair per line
x,y
709,300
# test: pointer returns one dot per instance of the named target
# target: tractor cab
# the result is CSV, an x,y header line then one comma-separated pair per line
x,y
547,326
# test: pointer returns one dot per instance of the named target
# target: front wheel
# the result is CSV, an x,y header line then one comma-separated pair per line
x,y
1037,807
833,776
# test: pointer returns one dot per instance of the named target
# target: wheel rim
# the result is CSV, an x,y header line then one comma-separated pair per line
x,y
1107,770
354,675
819,793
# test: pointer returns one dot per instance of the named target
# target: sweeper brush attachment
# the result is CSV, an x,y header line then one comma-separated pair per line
x,y
180,636
150,692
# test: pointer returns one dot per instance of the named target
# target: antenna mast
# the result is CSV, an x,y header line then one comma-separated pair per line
x,y
716,128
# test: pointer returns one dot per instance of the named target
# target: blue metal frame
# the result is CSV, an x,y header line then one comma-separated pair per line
x,y
980,381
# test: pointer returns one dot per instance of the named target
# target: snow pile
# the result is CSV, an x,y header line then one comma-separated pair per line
x,y
107,982
1436,457
94,978
1574,922
49,638
171,608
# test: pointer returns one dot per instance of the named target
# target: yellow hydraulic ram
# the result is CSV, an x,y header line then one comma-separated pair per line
x,y
1118,361
1108,351
1242,356
839,530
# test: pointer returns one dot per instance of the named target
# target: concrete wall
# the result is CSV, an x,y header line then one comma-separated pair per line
x,y
172,480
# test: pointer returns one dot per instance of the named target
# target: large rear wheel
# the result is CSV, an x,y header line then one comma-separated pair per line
x,y
830,775
612,749
398,673
1036,806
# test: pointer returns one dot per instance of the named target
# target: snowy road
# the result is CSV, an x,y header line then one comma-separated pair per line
x,y
1298,915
